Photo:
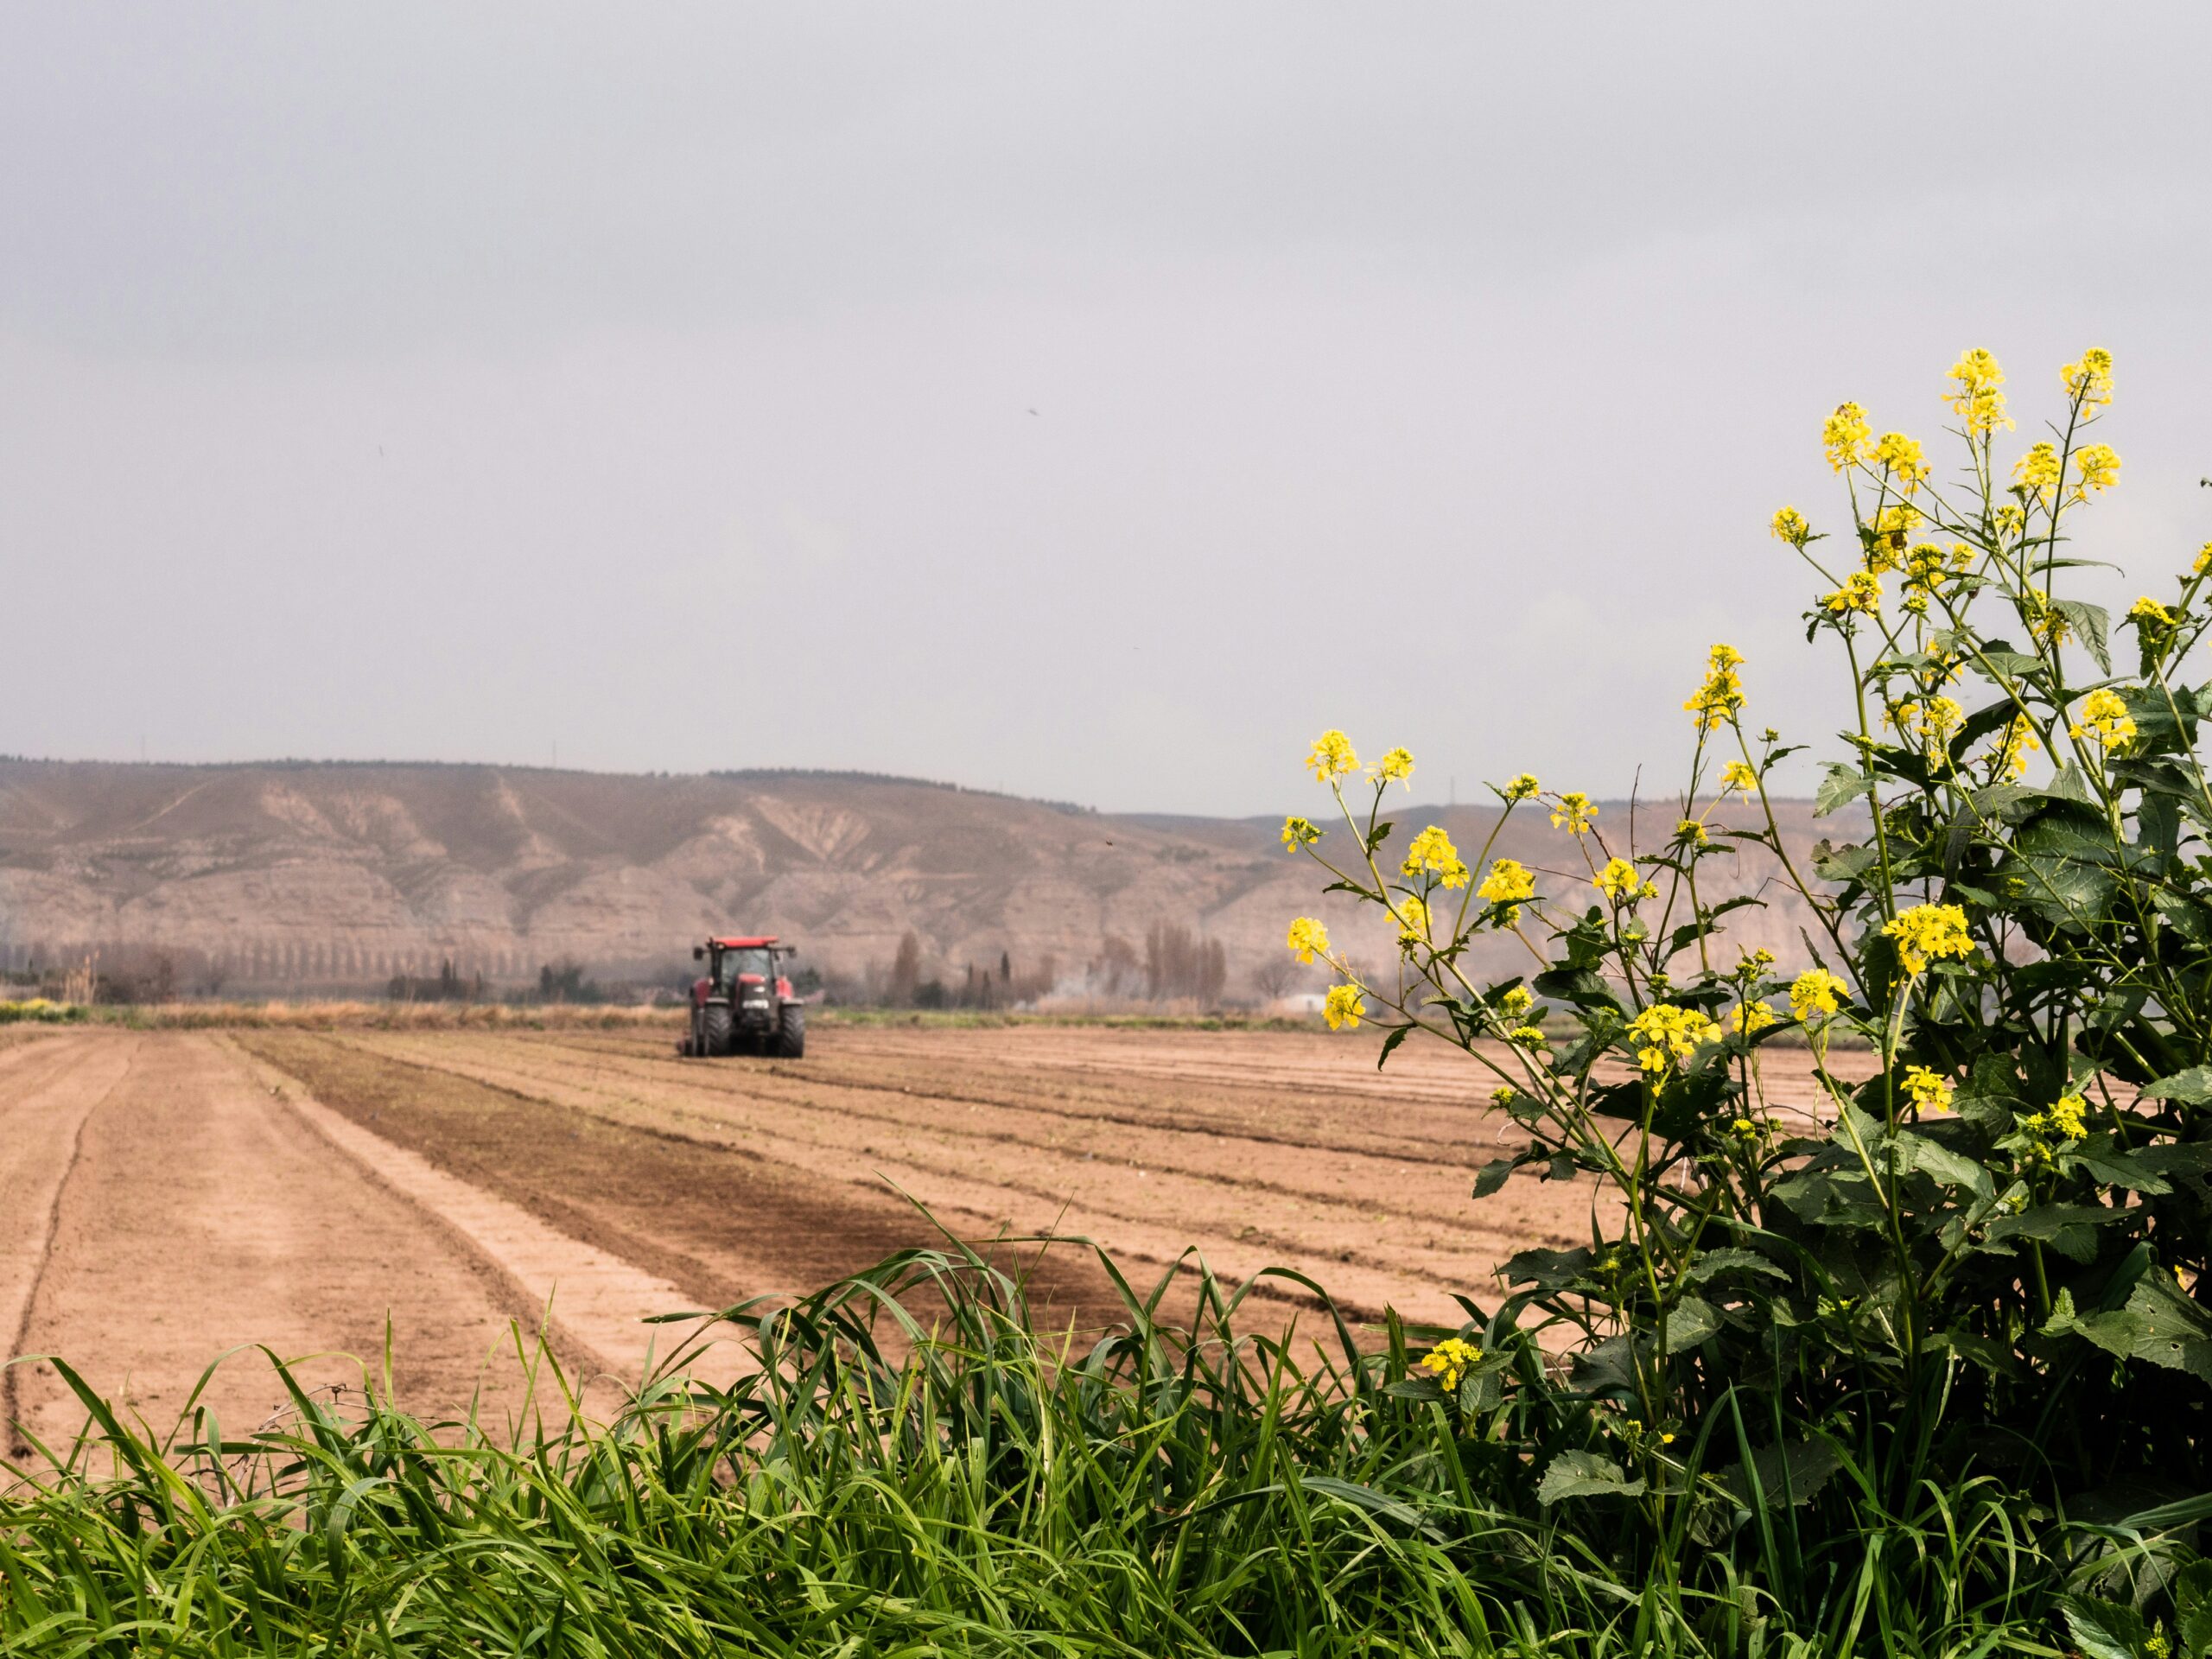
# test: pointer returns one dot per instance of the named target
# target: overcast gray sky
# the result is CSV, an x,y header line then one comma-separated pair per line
x,y
1088,402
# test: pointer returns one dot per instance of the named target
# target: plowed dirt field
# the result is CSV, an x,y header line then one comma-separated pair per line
x,y
166,1196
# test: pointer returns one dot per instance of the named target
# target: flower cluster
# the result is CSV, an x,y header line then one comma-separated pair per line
x,y
2037,474
2008,760
1789,526
1341,1008
1333,757
1844,436
1861,593
1722,692
2090,382
2096,466
1671,1035
2104,720
1508,883
1813,994
1901,455
1308,939
1927,1091
1396,767
1976,399
1573,814
1619,882
1433,853
1300,832
1450,1360
1926,932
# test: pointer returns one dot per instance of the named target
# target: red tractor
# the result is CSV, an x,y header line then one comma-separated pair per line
x,y
743,1004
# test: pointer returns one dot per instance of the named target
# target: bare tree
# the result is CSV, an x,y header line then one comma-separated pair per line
x,y
1273,978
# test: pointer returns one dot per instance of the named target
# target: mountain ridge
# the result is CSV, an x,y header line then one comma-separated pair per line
x,y
293,876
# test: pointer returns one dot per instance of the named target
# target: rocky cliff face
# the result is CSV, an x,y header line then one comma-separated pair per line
x,y
331,877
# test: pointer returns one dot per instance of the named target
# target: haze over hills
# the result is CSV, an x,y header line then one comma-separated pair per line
x,y
295,877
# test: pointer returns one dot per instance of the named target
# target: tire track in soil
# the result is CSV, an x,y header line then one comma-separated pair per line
x,y
1371,1240
30,1132
203,1217
720,1222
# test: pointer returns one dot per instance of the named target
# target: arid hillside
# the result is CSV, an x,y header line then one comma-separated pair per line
x,y
291,876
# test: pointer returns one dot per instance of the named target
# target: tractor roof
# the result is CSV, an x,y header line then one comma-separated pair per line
x,y
743,944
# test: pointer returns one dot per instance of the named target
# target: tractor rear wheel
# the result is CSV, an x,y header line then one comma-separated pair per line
x,y
718,1028
790,1032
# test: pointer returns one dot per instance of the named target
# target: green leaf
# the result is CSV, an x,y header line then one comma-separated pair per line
x,y
1843,784
2066,1228
1714,1264
1547,1269
1689,1322
1396,1036
2158,1324
1492,1175
1918,1151
2105,1629
2193,1086
1585,1474
1782,1475
2093,624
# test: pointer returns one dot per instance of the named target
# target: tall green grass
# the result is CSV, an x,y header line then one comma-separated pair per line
x,y
915,1468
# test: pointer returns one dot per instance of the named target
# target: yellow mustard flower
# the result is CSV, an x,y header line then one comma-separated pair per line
x,y
2096,466
1813,994
1396,767
1341,1008
1789,526
1308,938
2008,761
1887,535
1671,1035
1975,397
1746,1017
2203,562
1573,814
1844,436
1525,1036
1300,832
1516,1002
1901,455
1692,830
2090,380
1450,1360
1332,756
1508,883
1928,931
1737,775
2037,472
2104,720
1521,786
2045,618
2068,1116
1431,852
2150,616
1413,919
1861,593
1618,881
1721,694
1927,1091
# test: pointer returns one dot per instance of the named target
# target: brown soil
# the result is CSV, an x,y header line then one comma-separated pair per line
x,y
198,1215
165,1196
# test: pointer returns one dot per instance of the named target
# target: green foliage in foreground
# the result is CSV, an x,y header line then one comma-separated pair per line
x,y
1168,1491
